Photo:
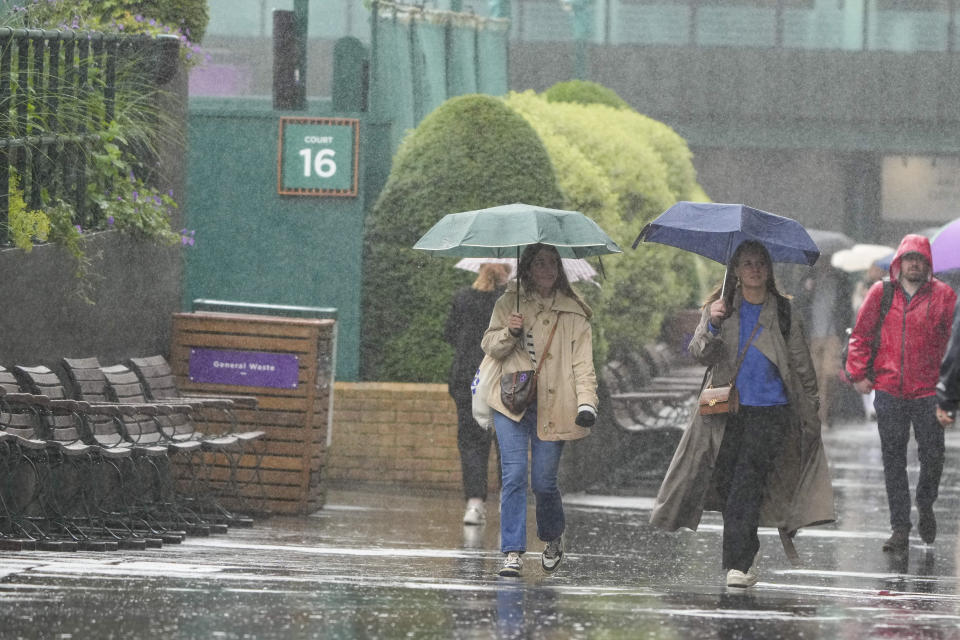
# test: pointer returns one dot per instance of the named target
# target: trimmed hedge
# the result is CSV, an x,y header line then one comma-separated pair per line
x,y
584,92
472,152
615,165
636,167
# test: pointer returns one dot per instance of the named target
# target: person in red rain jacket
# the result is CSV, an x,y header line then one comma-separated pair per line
x,y
909,346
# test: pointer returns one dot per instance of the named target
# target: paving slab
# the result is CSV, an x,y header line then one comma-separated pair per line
x,y
397,564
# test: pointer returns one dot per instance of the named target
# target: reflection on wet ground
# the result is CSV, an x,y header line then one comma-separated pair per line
x,y
390,565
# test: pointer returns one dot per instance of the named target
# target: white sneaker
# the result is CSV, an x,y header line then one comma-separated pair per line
x,y
512,565
552,555
737,578
475,514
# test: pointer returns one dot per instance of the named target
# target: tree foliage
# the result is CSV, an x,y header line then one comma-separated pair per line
x,y
584,92
472,152
622,169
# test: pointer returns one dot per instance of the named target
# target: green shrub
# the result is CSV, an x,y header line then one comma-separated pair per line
x,y
472,152
622,169
188,18
584,92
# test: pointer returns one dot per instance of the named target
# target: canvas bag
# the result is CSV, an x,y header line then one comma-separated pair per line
x,y
487,374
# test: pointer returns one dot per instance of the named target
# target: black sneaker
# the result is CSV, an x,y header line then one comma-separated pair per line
x,y
898,541
552,555
927,525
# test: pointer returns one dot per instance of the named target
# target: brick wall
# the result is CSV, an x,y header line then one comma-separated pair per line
x,y
396,433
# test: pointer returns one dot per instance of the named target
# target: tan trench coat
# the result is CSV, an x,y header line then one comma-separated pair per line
x,y
799,492
567,378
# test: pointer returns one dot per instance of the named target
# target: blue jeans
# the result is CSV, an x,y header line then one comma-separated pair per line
x,y
894,417
515,439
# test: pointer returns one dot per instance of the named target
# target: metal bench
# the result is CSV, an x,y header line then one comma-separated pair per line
x,y
645,397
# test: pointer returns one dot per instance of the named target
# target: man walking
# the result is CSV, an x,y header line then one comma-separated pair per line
x,y
948,389
897,354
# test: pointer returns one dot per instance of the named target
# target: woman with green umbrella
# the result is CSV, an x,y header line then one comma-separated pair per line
x,y
539,321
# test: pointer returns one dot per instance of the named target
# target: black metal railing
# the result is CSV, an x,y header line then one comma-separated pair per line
x,y
59,91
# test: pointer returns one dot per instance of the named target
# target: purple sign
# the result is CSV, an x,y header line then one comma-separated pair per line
x,y
244,368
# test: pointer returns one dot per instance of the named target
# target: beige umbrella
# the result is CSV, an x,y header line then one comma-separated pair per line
x,y
576,268
859,257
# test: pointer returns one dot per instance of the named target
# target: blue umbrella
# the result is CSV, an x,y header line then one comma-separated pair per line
x,y
715,230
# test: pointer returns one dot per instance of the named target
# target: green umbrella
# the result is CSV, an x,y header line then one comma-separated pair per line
x,y
500,232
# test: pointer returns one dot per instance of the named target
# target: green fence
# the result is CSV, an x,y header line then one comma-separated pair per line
x,y
422,57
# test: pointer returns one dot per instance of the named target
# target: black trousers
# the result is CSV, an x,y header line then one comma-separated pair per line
x,y
894,417
751,442
474,444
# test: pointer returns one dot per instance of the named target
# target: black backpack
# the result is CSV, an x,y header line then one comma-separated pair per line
x,y
885,302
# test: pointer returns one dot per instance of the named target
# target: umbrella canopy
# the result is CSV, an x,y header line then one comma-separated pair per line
x,y
859,257
500,232
945,246
829,242
577,269
715,230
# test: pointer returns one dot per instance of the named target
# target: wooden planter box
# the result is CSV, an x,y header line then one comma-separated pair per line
x,y
295,417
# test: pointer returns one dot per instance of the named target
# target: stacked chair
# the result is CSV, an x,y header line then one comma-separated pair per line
x,y
132,503
115,459
244,486
118,383
61,492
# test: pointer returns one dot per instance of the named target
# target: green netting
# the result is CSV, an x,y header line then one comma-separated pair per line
x,y
392,99
429,67
462,62
492,55
423,57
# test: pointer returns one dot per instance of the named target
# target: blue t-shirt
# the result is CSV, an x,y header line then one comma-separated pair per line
x,y
758,382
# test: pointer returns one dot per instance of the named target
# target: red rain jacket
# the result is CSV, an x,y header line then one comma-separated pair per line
x,y
913,337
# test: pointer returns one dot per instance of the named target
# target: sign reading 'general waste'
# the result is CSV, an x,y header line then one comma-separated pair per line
x,y
244,368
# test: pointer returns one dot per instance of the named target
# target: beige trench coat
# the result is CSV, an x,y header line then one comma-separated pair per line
x,y
799,492
567,378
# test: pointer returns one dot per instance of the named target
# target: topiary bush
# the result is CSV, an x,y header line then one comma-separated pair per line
x,y
632,173
472,152
584,92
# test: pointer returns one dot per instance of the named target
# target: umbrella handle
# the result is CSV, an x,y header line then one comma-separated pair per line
x,y
518,278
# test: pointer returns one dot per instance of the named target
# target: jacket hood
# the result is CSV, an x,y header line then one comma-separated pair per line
x,y
911,243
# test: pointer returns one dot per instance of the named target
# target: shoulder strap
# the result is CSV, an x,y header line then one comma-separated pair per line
x,y
546,349
886,301
743,354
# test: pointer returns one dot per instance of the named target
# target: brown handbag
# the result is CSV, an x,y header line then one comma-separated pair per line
x,y
724,398
518,390
719,400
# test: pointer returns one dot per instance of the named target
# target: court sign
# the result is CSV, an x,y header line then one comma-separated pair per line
x,y
318,156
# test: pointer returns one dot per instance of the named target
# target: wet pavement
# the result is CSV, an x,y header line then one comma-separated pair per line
x,y
392,565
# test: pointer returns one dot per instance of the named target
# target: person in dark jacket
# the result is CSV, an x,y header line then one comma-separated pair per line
x,y
948,388
468,320
906,351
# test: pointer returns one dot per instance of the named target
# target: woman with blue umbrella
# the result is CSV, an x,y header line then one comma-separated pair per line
x,y
762,463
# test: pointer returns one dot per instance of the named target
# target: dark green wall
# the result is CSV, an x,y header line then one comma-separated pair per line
x,y
253,245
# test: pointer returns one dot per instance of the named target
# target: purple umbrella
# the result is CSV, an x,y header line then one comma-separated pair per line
x,y
946,247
